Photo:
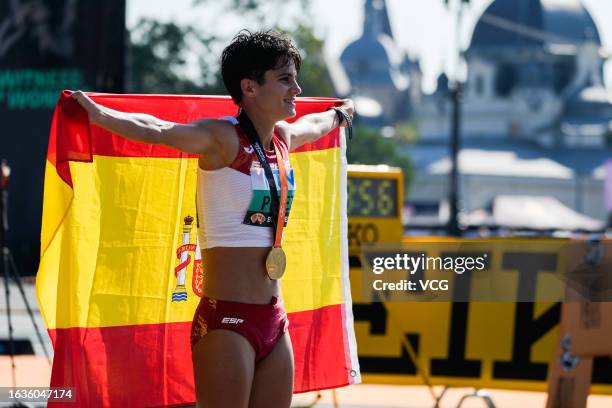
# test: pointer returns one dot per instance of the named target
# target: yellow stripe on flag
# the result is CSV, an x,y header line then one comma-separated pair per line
x,y
123,266
123,272
57,199
313,235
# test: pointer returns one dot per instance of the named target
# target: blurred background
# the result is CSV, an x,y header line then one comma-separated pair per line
x,y
512,95
498,112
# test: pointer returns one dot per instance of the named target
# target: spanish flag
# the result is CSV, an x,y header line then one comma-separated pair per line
x,y
120,272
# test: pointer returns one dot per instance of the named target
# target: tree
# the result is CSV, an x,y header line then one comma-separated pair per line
x,y
157,57
294,18
282,14
158,54
314,77
369,147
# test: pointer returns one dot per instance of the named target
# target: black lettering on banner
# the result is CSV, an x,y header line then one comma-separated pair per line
x,y
370,234
528,266
527,331
602,370
265,203
456,365
362,233
392,365
353,235
354,261
376,315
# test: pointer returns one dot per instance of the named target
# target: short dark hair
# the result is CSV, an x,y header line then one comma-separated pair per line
x,y
250,55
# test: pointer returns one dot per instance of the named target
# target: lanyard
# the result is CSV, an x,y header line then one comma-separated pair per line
x,y
278,206
278,238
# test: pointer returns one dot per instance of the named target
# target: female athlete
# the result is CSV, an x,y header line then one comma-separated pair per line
x,y
241,351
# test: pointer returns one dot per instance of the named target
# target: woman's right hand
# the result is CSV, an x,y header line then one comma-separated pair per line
x,y
93,109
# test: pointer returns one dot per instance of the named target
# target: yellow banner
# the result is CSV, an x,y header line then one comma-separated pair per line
x,y
478,344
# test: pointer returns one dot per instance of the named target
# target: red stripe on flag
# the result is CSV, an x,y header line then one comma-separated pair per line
x,y
126,366
150,365
73,139
319,331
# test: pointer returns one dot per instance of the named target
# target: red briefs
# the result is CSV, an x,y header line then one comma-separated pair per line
x,y
262,325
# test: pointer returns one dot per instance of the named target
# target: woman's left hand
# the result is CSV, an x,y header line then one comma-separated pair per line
x,y
348,107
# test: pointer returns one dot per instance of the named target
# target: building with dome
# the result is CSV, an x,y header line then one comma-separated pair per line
x,y
535,73
536,116
379,74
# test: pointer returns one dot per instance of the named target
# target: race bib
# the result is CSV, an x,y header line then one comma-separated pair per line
x,y
259,212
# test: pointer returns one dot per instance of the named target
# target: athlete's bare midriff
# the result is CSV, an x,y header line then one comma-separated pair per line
x,y
238,274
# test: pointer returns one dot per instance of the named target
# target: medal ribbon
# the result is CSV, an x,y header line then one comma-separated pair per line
x,y
280,160
279,207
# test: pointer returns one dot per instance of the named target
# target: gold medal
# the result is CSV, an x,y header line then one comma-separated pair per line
x,y
275,263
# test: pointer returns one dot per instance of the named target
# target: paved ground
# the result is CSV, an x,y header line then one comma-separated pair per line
x,y
391,396
23,327
36,371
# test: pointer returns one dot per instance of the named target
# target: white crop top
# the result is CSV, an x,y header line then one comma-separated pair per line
x,y
233,202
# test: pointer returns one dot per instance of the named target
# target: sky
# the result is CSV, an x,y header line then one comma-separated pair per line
x,y
426,29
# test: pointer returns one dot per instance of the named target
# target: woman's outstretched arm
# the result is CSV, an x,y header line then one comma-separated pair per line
x,y
200,137
309,128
